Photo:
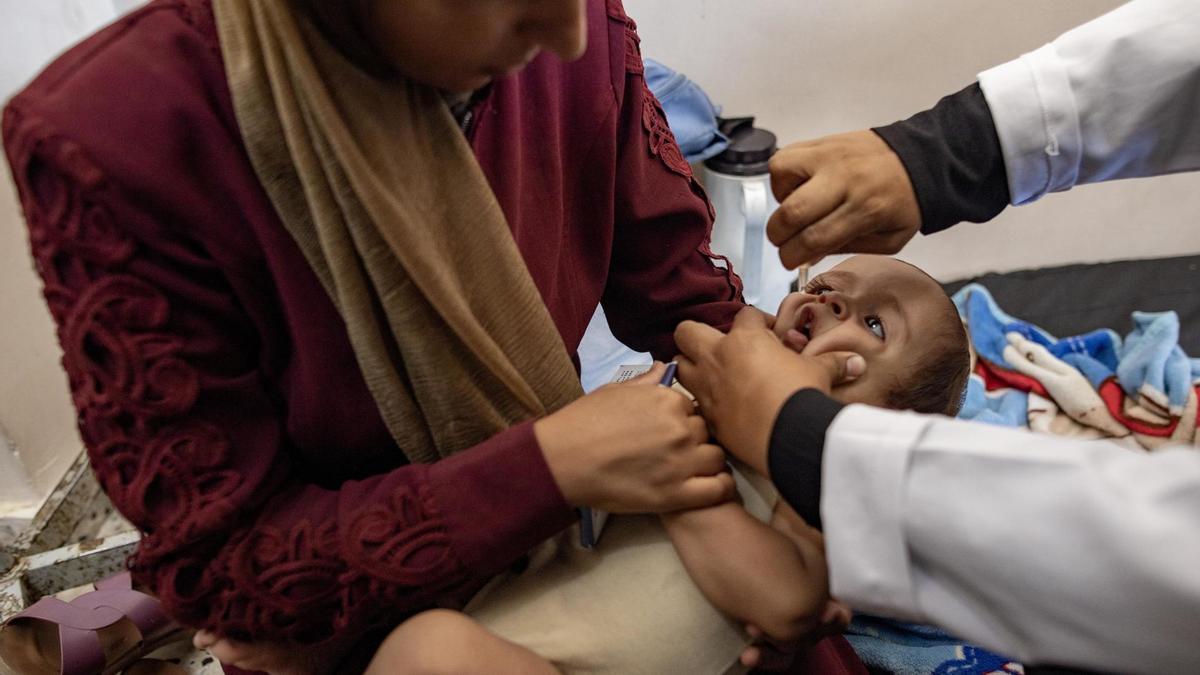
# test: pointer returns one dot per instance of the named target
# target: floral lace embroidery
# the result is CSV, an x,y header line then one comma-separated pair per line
x,y
171,475
633,49
400,559
661,140
127,377
633,44
406,561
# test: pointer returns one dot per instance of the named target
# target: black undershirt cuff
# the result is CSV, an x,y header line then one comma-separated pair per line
x,y
953,158
797,448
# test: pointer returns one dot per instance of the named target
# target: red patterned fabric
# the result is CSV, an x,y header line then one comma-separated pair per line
x,y
995,377
218,396
1114,398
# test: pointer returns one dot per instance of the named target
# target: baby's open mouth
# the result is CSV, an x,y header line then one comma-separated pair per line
x,y
798,336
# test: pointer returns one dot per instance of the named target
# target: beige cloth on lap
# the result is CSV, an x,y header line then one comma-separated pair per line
x,y
627,607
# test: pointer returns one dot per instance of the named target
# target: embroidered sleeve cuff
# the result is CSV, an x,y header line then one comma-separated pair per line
x,y
865,474
499,499
1037,122
953,160
797,443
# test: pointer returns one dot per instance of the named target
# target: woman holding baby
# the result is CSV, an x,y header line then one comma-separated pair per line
x,y
319,271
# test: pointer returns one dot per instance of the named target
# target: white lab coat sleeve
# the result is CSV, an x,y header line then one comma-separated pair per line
x,y
1118,97
1047,549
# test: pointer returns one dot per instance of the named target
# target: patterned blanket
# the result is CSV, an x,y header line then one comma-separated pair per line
x,y
1142,388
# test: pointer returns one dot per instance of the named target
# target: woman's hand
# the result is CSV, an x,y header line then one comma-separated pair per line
x,y
741,380
274,658
634,447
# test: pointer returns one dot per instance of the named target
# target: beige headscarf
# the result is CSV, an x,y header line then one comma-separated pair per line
x,y
380,189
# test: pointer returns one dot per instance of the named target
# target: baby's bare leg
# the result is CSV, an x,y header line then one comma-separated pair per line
x,y
442,642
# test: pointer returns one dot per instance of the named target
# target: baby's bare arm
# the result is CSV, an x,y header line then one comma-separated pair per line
x,y
808,538
770,575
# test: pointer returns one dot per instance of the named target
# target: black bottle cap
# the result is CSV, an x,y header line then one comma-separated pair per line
x,y
750,149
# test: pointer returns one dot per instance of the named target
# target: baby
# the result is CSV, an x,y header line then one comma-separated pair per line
x,y
672,594
897,318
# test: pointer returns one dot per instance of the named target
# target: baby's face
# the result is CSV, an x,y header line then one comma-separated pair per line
x,y
875,306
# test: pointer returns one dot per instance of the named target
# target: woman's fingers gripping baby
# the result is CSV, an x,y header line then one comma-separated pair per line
x,y
634,447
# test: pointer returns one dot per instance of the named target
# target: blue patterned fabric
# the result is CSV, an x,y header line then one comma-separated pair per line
x,y
911,649
1152,362
1148,363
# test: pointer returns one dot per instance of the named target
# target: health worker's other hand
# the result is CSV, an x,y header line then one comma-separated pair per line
x,y
847,193
634,447
742,379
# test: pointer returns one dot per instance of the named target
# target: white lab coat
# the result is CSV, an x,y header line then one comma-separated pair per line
x,y
1118,97
1050,550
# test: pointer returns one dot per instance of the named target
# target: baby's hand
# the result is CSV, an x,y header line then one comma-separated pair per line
x,y
768,655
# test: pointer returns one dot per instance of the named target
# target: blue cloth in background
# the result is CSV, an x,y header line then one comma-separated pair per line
x,y
911,649
1148,362
1152,362
989,324
1007,408
690,113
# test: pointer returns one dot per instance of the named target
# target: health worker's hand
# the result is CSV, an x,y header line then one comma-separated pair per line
x,y
847,193
634,447
741,380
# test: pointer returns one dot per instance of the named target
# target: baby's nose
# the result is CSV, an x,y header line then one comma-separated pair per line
x,y
834,302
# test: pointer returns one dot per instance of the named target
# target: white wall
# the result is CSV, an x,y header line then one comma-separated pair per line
x,y
35,410
808,68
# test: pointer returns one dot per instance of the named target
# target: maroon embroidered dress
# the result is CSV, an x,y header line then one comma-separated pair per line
x,y
218,395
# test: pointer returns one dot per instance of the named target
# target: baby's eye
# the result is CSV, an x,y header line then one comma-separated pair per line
x,y
816,288
876,326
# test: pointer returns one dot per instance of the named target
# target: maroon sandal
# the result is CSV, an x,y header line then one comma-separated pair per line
x,y
97,633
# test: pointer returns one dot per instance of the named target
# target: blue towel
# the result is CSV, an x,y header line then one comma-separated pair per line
x,y
1007,407
690,113
911,649
1152,363
988,325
